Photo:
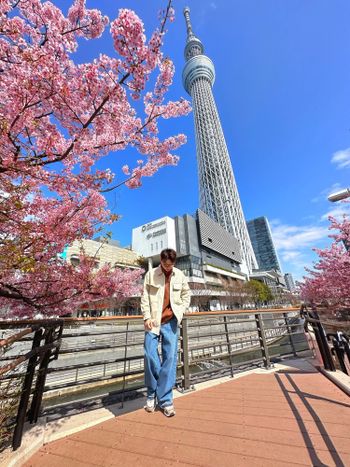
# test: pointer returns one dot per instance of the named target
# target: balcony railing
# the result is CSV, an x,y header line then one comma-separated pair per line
x,y
72,365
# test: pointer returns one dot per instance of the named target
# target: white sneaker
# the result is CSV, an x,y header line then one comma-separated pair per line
x,y
169,411
150,405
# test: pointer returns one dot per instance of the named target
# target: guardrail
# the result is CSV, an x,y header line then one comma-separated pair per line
x,y
87,363
236,342
45,342
334,346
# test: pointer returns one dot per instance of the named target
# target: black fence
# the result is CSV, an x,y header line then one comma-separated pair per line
x,y
73,365
333,340
44,342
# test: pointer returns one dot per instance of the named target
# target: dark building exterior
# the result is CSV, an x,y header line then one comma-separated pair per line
x,y
264,249
204,247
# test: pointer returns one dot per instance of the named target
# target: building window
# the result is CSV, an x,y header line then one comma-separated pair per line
x,y
151,246
161,244
210,240
156,246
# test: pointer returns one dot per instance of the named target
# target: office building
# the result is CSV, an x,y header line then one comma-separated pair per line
x,y
264,249
208,255
290,282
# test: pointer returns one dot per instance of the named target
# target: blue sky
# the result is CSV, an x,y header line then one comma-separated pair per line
x,y
282,91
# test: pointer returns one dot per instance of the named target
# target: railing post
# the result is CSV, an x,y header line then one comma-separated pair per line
x,y
346,345
289,330
26,390
262,339
184,355
228,344
322,343
339,350
124,370
52,353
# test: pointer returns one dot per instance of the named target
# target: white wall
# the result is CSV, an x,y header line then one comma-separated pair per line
x,y
150,239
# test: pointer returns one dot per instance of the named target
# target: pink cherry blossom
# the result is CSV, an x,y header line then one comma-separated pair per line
x,y
57,119
329,280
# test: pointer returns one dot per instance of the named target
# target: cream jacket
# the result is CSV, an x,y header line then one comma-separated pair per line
x,y
153,295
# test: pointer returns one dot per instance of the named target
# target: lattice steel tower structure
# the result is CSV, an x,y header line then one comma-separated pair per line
x,y
218,194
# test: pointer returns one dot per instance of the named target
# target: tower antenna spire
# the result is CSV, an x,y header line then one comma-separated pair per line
x,y
188,23
193,45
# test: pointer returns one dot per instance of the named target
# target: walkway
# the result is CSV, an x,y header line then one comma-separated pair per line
x,y
289,417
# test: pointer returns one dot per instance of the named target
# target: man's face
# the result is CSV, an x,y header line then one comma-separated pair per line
x,y
167,265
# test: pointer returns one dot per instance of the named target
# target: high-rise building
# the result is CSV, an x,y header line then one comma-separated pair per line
x,y
264,249
207,254
290,282
219,197
203,247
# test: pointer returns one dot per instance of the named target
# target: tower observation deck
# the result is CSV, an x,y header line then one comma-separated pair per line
x,y
218,194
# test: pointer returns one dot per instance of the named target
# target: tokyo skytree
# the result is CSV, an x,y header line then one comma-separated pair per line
x,y
218,195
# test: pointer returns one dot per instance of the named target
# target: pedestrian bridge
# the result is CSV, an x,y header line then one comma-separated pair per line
x,y
292,415
234,407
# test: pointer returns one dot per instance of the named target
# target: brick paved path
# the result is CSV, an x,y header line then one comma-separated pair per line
x,y
285,418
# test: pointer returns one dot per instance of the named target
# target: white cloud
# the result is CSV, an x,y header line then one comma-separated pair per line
x,y
291,237
337,211
295,243
326,192
290,255
342,158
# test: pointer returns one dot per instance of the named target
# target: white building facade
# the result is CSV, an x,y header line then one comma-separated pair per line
x,y
148,240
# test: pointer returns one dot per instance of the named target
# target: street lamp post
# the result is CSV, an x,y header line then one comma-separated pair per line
x,y
339,195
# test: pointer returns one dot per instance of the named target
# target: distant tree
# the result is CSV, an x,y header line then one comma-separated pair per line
x,y
57,119
200,296
268,294
259,292
329,280
235,292
289,298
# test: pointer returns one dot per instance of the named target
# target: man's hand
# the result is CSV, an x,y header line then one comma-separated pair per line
x,y
148,324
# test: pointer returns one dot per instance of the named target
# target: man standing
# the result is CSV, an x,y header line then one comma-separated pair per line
x,y
166,296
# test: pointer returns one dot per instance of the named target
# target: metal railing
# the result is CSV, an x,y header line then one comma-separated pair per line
x,y
81,364
236,342
44,340
334,345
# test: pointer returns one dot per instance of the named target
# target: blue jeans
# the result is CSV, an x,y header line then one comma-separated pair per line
x,y
160,374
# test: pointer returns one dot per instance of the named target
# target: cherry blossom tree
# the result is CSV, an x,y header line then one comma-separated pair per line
x,y
57,119
329,281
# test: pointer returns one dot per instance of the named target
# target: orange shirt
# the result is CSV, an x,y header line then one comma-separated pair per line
x,y
167,312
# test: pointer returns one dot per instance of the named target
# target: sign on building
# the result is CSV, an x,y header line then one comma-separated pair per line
x,y
150,239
